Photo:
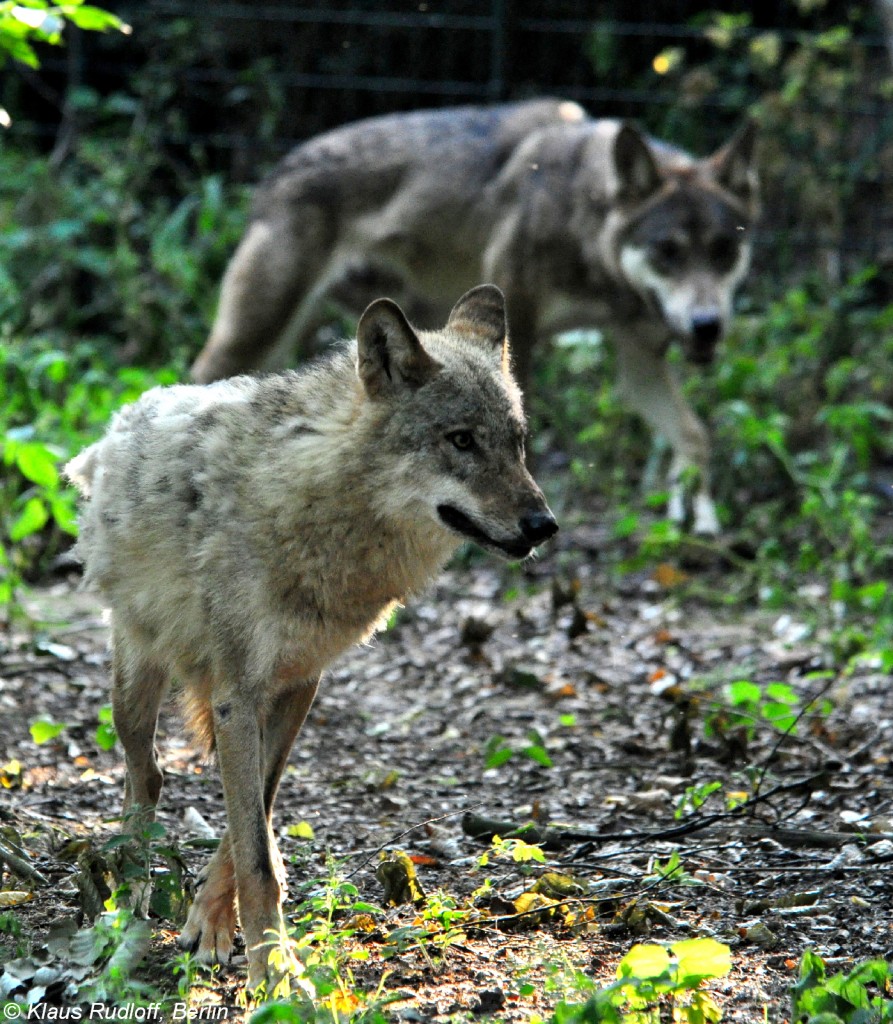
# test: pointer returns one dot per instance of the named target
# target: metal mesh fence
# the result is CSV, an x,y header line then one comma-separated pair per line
x,y
237,84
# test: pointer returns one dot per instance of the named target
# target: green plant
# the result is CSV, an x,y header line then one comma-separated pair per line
x,y
11,925
26,22
53,402
316,954
863,995
745,705
655,983
516,849
498,750
695,797
31,497
44,729
672,870
106,735
111,949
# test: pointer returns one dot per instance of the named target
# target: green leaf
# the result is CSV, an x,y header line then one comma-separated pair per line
x,y
19,50
45,729
538,753
497,752
626,526
701,958
302,830
784,693
64,513
780,715
644,961
37,463
743,692
95,19
33,517
523,852
106,736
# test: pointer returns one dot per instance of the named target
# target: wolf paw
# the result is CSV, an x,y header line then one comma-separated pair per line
x,y
211,923
705,522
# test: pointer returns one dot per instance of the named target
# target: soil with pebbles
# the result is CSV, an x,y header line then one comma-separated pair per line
x,y
614,678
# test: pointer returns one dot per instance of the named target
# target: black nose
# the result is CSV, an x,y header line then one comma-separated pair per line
x,y
538,526
706,328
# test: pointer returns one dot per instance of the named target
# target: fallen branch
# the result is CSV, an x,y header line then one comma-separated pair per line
x,y
19,865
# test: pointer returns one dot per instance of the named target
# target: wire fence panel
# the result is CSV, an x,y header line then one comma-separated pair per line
x,y
239,83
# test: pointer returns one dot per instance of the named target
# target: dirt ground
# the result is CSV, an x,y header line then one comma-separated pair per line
x,y
611,676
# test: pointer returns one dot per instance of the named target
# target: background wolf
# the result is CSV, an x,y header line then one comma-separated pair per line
x,y
246,533
581,222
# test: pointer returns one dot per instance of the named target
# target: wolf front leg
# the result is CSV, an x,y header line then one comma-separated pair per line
x,y
239,742
649,386
211,923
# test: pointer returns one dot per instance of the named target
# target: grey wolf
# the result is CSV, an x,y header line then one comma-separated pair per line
x,y
581,222
245,533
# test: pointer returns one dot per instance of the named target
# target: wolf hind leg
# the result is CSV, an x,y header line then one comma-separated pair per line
x,y
138,688
211,923
270,287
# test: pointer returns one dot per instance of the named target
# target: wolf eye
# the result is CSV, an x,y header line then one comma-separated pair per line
x,y
724,252
462,439
669,251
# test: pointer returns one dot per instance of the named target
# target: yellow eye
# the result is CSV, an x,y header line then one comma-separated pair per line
x,y
462,439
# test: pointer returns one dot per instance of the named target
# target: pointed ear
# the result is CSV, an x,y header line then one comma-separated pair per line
x,y
390,357
735,164
637,172
480,316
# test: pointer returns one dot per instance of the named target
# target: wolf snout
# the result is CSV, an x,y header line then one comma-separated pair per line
x,y
538,526
706,330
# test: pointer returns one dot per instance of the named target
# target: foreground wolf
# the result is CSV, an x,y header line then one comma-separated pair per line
x,y
246,533
581,222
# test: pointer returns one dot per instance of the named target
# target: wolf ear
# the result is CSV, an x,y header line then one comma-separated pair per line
x,y
480,314
637,172
735,165
390,356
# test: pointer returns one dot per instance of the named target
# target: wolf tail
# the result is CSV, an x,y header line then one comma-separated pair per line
x,y
80,470
199,719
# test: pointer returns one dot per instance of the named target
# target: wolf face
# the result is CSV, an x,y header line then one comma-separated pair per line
x,y
457,430
685,245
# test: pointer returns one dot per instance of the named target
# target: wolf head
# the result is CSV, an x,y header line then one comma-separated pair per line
x,y
684,246
452,431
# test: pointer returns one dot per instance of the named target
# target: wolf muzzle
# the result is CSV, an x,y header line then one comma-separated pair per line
x,y
534,527
706,330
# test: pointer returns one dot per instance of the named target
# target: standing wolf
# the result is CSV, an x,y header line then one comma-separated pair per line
x,y
581,222
246,533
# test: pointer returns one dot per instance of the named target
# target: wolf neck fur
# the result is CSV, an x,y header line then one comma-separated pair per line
x,y
322,453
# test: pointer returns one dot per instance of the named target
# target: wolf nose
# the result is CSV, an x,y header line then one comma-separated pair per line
x,y
706,328
538,526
